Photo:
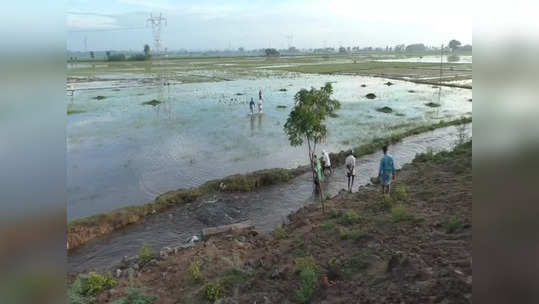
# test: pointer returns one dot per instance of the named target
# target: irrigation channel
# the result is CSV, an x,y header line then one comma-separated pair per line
x,y
266,208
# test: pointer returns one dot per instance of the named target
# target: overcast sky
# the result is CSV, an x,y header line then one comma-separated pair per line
x,y
216,24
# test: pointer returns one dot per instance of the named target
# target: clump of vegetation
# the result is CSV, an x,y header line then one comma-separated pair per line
x,y
145,253
327,226
333,115
280,233
194,271
308,274
153,102
214,291
400,193
371,96
464,149
355,235
411,91
356,264
88,285
335,213
99,97
399,213
385,110
453,225
281,107
71,111
389,83
400,114
350,217
236,276
134,295
282,90
432,104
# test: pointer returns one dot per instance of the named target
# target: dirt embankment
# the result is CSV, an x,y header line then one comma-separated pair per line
x,y
411,247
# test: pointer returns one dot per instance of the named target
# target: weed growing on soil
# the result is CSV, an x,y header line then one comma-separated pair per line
x,y
399,213
214,291
334,213
280,233
327,226
453,225
236,276
351,235
88,285
135,295
400,193
356,264
308,274
194,271
351,217
145,254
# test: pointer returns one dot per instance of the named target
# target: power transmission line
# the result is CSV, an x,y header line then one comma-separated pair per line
x,y
107,30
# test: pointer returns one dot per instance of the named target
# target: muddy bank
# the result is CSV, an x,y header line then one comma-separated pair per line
x,y
413,246
83,230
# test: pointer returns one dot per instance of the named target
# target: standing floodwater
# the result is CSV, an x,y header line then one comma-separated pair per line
x,y
125,146
266,208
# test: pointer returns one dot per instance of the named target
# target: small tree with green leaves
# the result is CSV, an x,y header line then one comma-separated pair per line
x,y
306,122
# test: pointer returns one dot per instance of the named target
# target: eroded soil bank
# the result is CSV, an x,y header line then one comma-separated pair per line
x,y
413,247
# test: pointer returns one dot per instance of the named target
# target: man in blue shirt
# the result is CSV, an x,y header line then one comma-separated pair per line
x,y
386,171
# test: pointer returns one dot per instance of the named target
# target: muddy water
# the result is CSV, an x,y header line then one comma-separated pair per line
x,y
266,208
120,152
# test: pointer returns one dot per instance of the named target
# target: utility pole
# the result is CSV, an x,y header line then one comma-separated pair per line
x,y
157,23
441,66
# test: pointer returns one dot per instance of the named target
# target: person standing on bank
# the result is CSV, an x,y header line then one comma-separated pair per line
x,y
387,171
350,163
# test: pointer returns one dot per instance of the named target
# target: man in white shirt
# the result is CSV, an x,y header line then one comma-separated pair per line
x,y
327,161
350,163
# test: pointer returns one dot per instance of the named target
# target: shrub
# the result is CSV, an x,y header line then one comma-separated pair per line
x,y
399,213
236,276
280,233
134,295
214,291
400,193
453,225
194,270
145,254
90,285
308,274
350,217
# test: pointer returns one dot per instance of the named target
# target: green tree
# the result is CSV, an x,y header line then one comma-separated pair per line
x,y
454,45
306,121
147,51
92,55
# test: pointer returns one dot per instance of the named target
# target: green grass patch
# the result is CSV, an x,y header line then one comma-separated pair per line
x,y
308,275
355,235
350,217
356,264
280,233
453,225
99,97
135,295
432,104
145,253
194,270
400,193
327,226
214,291
86,286
335,213
399,213
236,276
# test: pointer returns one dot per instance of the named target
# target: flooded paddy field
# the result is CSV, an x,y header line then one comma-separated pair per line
x,y
129,138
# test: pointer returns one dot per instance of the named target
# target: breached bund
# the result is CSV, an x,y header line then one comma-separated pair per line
x,y
83,230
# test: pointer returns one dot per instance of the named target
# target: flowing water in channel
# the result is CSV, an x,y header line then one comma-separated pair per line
x,y
121,152
266,208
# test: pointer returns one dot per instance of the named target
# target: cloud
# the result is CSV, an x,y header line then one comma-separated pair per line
x,y
90,22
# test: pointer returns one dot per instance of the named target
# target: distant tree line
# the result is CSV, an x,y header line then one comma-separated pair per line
x,y
136,57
